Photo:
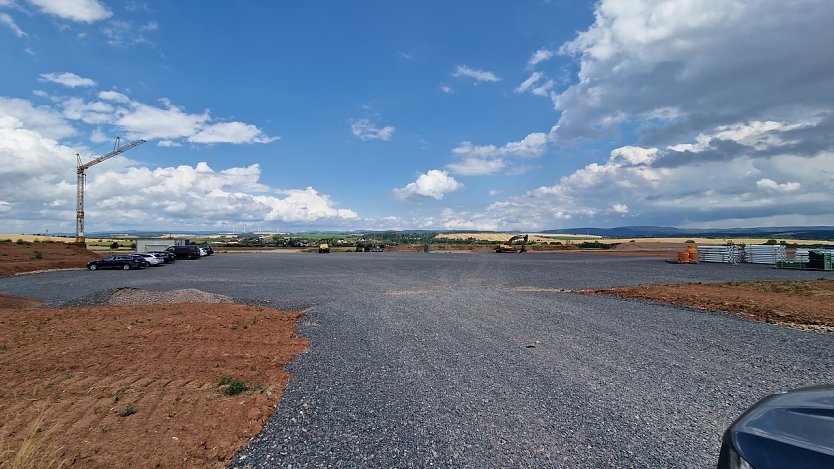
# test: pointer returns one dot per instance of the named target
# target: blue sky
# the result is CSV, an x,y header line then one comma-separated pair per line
x,y
434,115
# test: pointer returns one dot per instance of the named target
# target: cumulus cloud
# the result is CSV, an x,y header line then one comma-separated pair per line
x,y
713,66
67,79
481,160
728,177
168,122
37,190
230,132
478,75
88,11
40,119
435,184
365,130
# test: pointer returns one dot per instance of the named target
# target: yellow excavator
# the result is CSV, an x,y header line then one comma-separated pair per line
x,y
509,247
324,246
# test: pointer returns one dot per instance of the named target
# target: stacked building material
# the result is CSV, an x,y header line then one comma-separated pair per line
x,y
765,253
727,254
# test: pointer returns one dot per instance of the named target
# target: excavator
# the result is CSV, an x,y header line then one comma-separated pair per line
x,y
508,246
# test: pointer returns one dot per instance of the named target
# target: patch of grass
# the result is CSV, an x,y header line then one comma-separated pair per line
x,y
233,386
37,255
261,389
127,410
33,452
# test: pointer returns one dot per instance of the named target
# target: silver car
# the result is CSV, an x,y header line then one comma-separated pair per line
x,y
152,259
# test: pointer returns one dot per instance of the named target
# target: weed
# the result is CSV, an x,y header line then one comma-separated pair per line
x,y
172,414
128,410
4,347
105,429
234,386
233,326
37,255
70,374
118,396
260,388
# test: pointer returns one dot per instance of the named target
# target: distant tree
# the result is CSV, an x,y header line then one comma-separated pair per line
x,y
770,241
114,245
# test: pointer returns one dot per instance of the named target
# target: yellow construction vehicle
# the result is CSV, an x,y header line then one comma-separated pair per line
x,y
324,246
508,246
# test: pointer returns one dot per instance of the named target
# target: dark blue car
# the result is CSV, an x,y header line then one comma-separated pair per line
x,y
793,429
116,262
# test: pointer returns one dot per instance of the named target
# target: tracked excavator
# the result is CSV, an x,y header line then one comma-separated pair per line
x,y
509,247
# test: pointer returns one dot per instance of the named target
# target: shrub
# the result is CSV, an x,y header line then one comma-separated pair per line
x,y
770,241
114,245
690,241
37,255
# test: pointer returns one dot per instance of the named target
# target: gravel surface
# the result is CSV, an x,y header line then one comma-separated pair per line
x,y
479,360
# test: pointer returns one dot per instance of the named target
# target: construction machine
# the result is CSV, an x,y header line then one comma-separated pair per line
x,y
324,247
509,247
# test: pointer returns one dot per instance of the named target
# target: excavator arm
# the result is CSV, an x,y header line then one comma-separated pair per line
x,y
508,246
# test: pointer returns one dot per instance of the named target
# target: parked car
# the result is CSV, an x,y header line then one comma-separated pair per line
x,y
209,250
152,259
141,259
116,262
787,429
188,251
376,248
166,256
203,251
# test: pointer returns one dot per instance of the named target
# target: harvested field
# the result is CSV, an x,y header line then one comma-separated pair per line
x,y
139,385
805,305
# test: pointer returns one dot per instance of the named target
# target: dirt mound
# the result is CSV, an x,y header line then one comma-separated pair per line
x,y
139,386
18,257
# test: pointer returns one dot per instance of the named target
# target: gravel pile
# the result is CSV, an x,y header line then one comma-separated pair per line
x,y
140,296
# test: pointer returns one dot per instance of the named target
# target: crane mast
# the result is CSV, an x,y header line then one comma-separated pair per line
x,y
81,169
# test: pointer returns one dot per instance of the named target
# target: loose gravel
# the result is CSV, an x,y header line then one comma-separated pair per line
x,y
480,360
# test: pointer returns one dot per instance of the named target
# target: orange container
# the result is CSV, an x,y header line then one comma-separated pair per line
x,y
693,253
683,256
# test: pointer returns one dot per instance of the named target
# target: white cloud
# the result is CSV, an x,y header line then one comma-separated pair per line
x,y
41,119
9,21
230,132
477,75
67,79
152,122
771,185
619,208
113,96
87,11
435,184
447,89
742,62
541,55
365,130
481,160
37,190
728,177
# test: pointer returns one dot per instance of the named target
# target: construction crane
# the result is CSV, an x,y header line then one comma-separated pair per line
x,y
82,176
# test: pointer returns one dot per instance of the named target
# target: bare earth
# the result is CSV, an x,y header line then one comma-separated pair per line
x,y
806,305
69,374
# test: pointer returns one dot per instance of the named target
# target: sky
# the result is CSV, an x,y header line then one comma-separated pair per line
x,y
435,115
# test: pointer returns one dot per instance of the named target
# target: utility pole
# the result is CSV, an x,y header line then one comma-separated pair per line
x,y
81,169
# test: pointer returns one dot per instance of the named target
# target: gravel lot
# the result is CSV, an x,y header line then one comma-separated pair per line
x,y
479,360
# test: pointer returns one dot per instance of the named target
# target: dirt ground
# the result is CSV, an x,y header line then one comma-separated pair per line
x,y
138,386
27,257
806,305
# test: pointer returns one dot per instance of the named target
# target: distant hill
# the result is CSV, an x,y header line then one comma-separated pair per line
x,y
788,232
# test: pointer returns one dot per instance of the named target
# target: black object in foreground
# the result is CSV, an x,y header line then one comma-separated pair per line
x,y
793,429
